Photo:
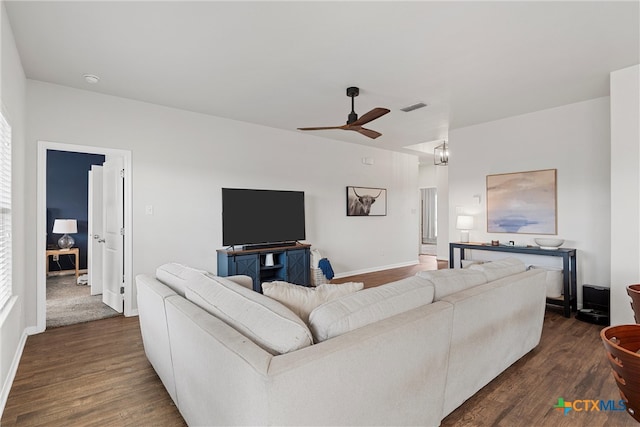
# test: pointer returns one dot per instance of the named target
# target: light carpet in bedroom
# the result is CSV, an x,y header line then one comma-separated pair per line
x,y
68,303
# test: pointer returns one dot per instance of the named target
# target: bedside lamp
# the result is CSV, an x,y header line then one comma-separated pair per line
x,y
65,227
464,223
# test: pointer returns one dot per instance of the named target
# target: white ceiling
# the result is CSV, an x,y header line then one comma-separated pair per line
x,y
287,64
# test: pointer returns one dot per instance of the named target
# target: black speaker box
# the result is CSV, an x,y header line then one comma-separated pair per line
x,y
595,302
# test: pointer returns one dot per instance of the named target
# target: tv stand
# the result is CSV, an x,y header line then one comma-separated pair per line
x,y
288,261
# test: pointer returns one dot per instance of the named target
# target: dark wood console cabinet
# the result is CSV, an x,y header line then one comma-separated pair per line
x,y
290,263
569,300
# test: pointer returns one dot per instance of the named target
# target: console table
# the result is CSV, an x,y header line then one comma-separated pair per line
x,y
288,263
569,300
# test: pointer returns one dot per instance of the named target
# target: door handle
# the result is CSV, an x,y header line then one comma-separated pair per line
x,y
101,240
96,236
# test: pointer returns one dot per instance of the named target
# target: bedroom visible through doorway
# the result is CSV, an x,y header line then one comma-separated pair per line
x,y
69,299
47,213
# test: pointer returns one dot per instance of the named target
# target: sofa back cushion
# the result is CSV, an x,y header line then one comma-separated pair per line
x,y
303,300
176,275
370,305
446,282
498,269
265,321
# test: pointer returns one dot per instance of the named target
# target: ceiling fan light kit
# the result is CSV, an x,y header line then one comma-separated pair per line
x,y
353,122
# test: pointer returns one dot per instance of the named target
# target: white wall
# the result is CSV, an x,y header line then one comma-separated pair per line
x,y
427,175
12,98
181,160
575,140
442,183
625,190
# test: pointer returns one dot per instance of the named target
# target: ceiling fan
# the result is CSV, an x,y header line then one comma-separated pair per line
x,y
353,122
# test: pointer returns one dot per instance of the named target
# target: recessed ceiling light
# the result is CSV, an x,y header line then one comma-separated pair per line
x,y
91,79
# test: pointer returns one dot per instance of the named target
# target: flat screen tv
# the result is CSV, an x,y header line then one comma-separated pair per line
x,y
253,217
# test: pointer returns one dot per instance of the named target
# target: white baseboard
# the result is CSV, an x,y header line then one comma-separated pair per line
x,y
13,369
374,269
33,330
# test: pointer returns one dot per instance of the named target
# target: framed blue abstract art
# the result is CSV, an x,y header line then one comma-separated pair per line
x,y
522,202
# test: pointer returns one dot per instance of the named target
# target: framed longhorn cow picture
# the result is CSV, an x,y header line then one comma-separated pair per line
x,y
366,201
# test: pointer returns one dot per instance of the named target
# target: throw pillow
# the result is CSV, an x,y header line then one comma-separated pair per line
x,y
502,268
303,300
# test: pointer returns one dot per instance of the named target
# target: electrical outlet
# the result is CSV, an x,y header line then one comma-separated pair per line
x,y
56,257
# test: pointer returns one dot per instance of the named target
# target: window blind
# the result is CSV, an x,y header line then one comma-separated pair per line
x,y
5,211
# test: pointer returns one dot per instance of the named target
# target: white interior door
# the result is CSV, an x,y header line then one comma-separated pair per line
x,y
113,220
96,240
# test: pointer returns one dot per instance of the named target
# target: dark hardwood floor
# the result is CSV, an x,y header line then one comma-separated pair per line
x,y
96,374
88,374
378,278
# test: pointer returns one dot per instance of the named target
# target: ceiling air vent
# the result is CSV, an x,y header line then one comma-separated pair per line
x,y
414,107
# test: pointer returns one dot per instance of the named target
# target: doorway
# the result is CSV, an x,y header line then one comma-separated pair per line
x,y
43,217
69,299
429,221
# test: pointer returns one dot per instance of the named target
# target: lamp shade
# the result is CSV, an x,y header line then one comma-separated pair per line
x,y
65,226
464,222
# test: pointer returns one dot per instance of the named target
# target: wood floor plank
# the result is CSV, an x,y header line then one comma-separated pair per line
x,y
96,374
93,373
378,278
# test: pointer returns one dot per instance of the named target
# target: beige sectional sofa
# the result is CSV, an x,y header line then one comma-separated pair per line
x,y
405,353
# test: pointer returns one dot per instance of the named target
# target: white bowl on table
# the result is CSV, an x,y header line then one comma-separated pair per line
x,y
548,242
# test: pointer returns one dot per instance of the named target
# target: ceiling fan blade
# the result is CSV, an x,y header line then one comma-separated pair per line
x,y
322,128
371,115
368,132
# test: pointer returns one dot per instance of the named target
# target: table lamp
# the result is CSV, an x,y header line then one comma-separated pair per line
x,y
464,223
65,227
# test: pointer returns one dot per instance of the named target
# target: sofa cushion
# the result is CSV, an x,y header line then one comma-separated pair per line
x,y
466,263
368,306
176,275
446,282
265,321
302,300
498,269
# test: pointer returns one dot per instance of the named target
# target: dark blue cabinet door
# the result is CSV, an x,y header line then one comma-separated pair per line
x,y
249,265
298,267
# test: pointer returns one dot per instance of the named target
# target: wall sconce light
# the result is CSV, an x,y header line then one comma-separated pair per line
x,y
441,155
464,223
